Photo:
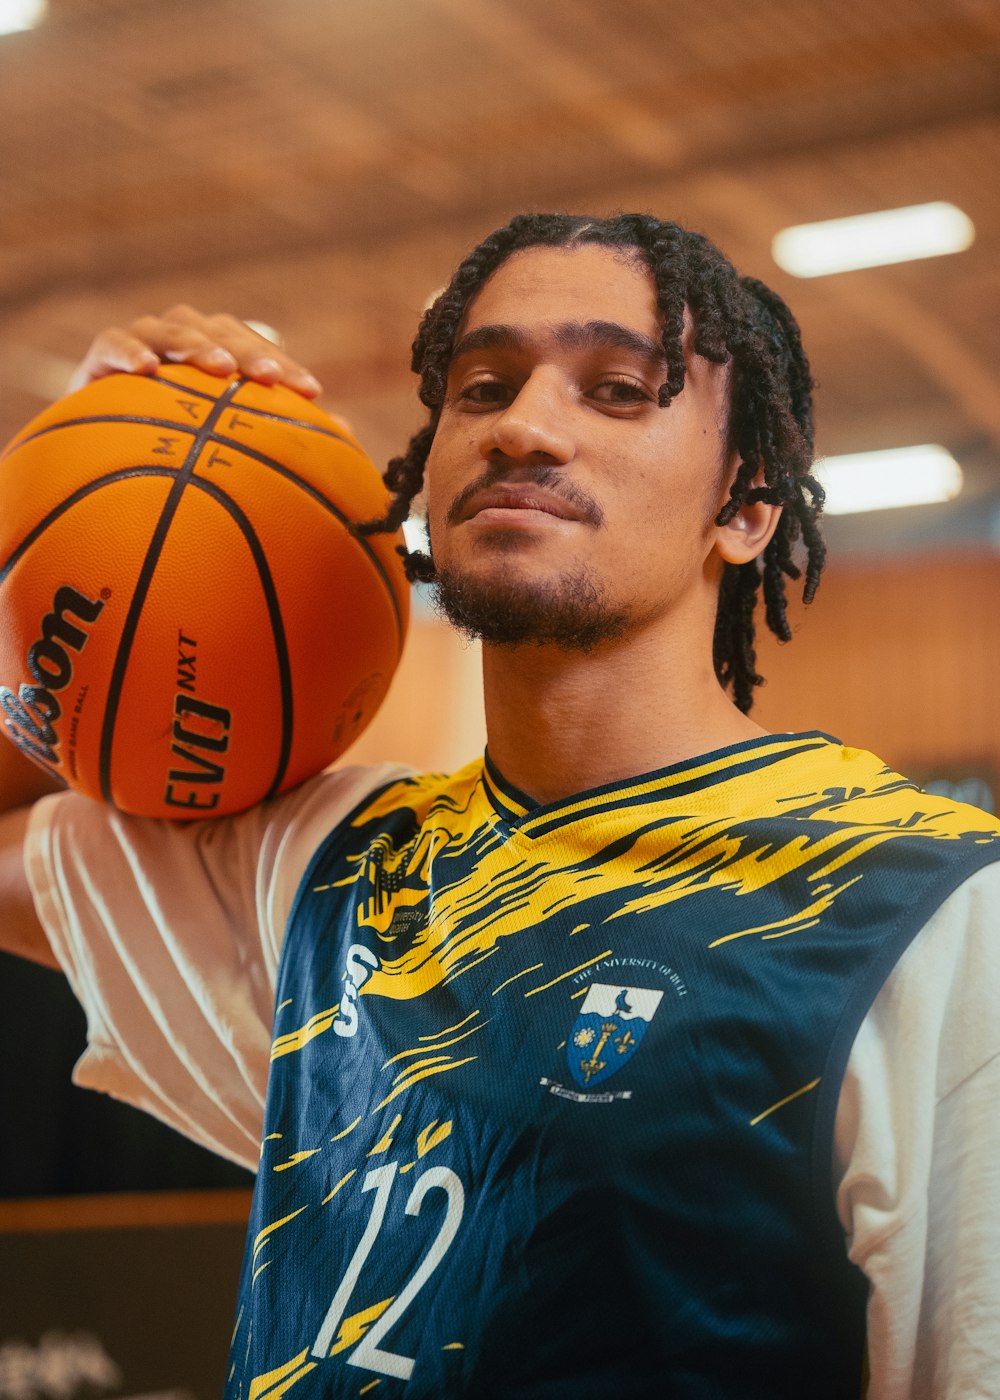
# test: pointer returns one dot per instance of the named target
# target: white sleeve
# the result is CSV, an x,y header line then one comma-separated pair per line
x,y
170,933
917,1158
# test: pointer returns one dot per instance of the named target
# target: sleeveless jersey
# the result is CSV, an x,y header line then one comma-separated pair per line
x,y
552,1092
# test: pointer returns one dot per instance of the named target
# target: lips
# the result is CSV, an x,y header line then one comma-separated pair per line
x,y
512,497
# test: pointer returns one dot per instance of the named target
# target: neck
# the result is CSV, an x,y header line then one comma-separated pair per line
x,y
561,722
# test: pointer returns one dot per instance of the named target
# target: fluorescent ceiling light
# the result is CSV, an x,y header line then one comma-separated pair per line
x,y
902,476
16,15
872,240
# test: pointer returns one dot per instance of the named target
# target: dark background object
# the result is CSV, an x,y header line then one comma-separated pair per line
x,y
60,1140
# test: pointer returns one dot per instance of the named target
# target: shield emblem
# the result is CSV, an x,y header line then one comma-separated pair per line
x,y
608,1030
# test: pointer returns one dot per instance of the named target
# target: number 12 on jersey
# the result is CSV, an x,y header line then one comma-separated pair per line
x,y
368,1353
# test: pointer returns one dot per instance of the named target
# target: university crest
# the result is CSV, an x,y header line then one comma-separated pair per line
x,y
608,1030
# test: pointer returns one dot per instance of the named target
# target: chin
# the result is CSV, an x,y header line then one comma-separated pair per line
x,y
504,607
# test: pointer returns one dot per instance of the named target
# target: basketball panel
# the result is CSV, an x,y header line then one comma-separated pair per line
x,y
45,473
343,662
117,397
62,612
330,484
334,464
329,460
201,719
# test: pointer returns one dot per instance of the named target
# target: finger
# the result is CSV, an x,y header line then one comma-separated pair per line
x,y
184,336
114,351
188,336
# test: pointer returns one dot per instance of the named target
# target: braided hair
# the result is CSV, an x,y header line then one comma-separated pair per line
x,y
737,320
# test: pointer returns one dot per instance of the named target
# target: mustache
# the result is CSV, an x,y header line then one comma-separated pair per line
x,y
549,478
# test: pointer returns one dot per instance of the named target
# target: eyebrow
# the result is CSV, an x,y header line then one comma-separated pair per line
x,y
569,335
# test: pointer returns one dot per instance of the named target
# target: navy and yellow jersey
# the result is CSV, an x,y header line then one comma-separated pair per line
x,y
552,1090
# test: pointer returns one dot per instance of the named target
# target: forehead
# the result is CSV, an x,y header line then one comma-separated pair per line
x,y
540,287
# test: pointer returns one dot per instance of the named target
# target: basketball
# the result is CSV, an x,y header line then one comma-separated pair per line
x,y
188,624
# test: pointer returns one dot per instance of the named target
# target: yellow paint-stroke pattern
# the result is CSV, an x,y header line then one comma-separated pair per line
x,y
571,973
709,844
441,1045
385,1141
353,1328
805,918
432,1136
781,1102
347,1130
342,1182
276,1382
436,1035
295,1040
523,973
424,1074
268,1230
296,1158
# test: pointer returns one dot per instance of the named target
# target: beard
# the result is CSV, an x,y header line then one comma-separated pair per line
x,y
571,611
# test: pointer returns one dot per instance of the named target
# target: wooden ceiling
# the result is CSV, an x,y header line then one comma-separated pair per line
x,y
321,164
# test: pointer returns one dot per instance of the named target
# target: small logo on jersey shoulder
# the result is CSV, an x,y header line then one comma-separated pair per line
x,y
608,1030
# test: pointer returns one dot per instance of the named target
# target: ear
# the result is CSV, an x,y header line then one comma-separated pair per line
x,y
749,532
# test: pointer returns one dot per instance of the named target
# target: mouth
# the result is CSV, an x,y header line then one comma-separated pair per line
x,y
515,500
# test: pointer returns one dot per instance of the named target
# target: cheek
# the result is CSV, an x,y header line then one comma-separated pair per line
x,y
435,481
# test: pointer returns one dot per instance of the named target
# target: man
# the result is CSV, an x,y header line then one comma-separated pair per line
x,y
653,1055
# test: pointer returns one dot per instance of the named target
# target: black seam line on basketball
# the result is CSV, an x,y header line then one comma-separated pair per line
x,y
259,412
327,505
187,388
138,600
69,501
170,424
243,523
102,418
294,423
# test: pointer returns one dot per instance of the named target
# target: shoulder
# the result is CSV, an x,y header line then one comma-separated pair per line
x,y
917,1144
393,801
932,1028
946,988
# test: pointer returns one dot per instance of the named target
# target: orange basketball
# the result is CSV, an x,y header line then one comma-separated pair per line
x,y
187,623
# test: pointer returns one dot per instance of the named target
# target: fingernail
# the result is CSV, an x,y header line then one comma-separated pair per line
x,y
221,357
310,384
264,366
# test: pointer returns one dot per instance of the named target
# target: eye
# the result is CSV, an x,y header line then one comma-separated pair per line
x,y
485,393
621,391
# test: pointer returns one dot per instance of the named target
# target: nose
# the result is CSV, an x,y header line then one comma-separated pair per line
x,y
533,426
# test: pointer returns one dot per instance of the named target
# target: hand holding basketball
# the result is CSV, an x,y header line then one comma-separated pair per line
x,y
219,344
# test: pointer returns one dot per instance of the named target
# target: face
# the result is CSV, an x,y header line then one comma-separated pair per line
x,y
564,504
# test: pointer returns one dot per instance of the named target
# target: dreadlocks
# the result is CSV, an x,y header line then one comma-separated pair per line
x,y
737,320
